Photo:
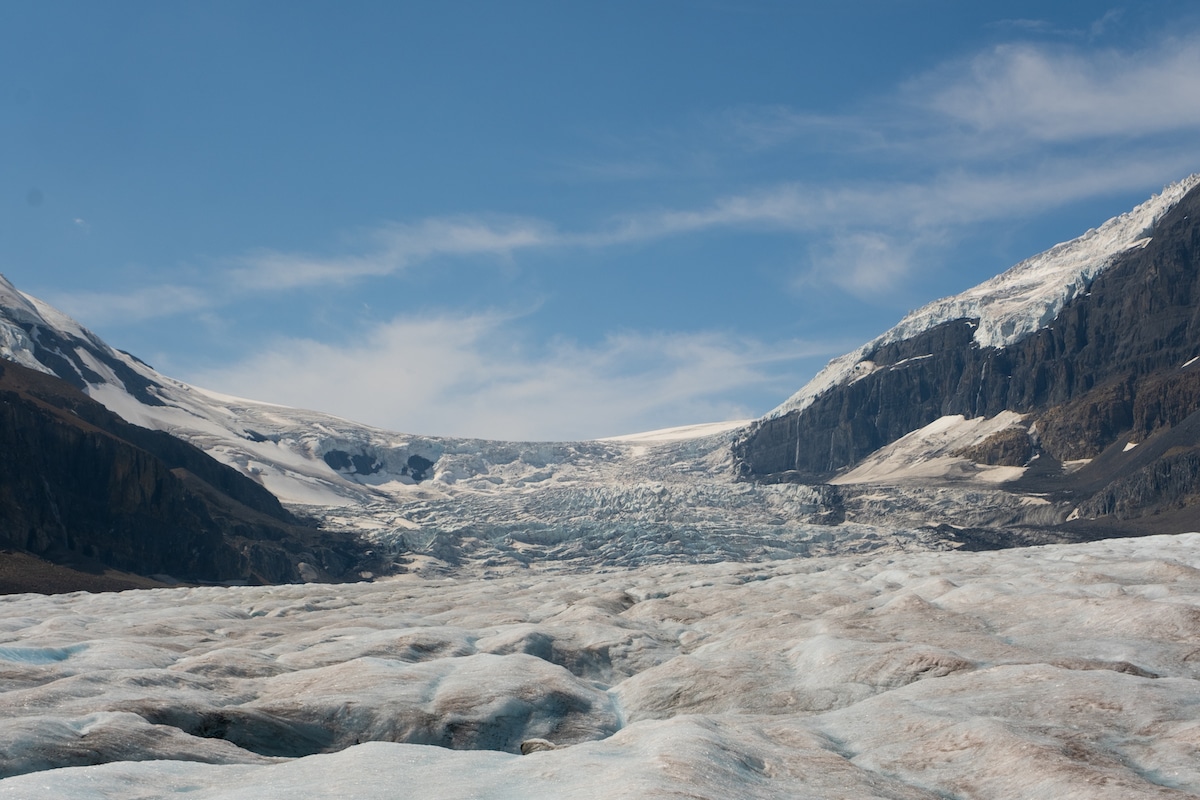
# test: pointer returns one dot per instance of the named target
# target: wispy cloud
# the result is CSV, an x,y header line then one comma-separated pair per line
x,y
1016,130
390,249
862,263
1043,27
1035,94
151,302
893,210
886,223
476,375
764,127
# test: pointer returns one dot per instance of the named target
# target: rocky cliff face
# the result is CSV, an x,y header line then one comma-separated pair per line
x,y
1118,364
81,487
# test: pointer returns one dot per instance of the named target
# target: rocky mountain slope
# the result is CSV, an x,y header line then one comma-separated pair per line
x,y
85,496
1099,378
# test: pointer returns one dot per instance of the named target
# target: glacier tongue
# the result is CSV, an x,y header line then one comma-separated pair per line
x,y
1015,303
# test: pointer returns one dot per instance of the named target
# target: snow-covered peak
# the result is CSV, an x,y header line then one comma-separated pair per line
x,y
1017,302
17,304
15,310
19,312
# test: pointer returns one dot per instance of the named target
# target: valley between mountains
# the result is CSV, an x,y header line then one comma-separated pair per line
x,y
959,563
1057,402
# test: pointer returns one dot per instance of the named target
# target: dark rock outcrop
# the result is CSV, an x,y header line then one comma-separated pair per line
x,y
84,489
1011,447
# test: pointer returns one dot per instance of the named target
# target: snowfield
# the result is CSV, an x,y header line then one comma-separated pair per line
x,y
1066,671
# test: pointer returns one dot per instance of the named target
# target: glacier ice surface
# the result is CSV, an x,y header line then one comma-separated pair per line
x,y
1064,671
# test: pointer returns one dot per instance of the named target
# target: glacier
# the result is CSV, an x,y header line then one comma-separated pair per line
x,y
1063,671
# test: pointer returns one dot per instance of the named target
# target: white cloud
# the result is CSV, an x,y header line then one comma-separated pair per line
x,y
477,375
870,239
1043,27
390,249
873,227
151,302
883,213
863,263
1034,94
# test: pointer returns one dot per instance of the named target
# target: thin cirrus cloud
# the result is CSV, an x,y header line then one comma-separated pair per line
x,y
862,263
396,247
471,375
392,248
1017,97
1085,123
910,225
1045,28
139,305
953,199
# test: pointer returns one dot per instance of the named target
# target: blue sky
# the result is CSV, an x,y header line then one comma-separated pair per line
x,y
560,220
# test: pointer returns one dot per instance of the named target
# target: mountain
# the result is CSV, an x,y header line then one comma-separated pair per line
x,y
89,501
1055,402
1087,354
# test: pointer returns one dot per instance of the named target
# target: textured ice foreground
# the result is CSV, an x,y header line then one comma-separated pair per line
x,y
1064,671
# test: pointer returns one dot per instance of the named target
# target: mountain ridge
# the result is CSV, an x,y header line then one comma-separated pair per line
x,y
1118,360
1042,284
